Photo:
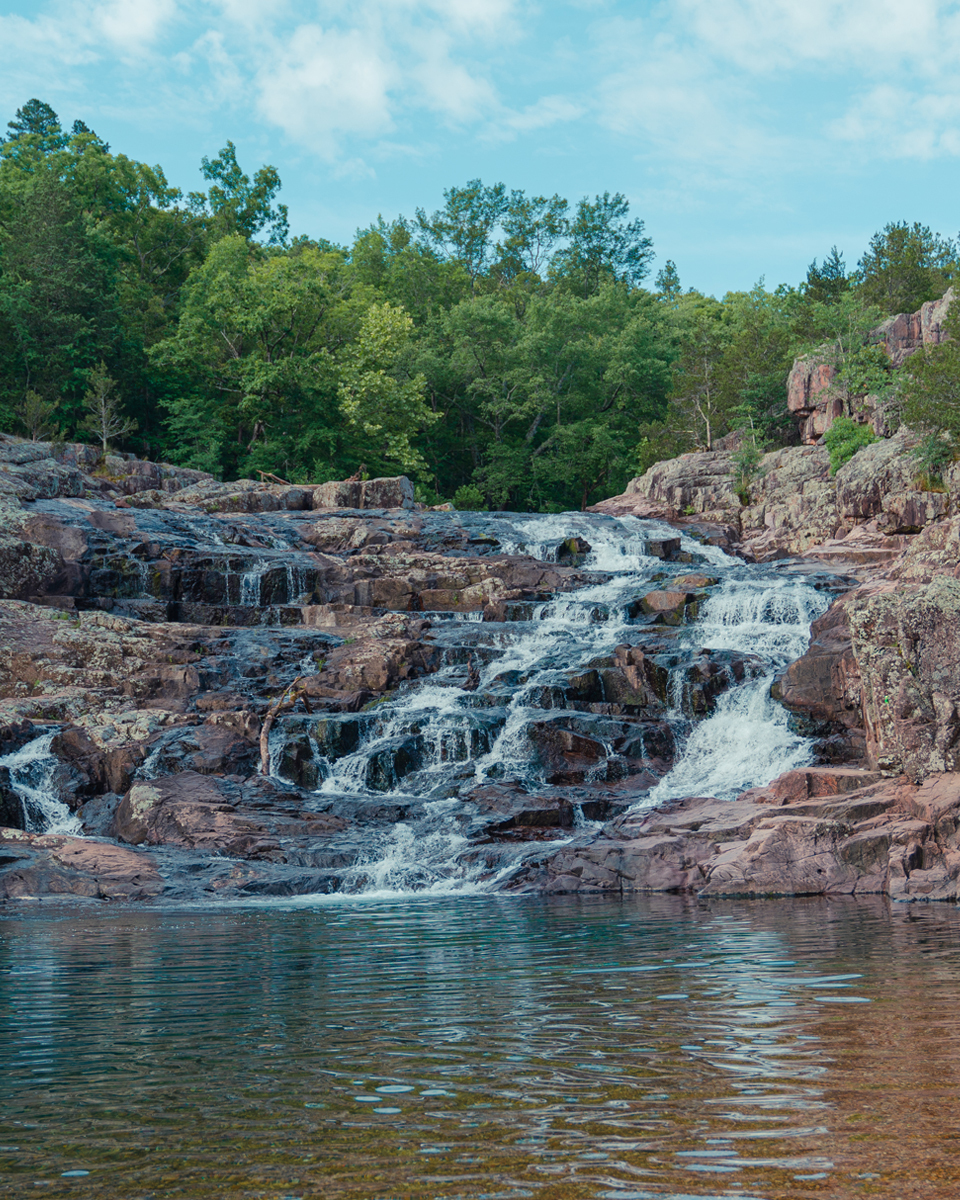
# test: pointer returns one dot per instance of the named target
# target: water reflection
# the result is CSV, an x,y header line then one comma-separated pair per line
x,y
571,1047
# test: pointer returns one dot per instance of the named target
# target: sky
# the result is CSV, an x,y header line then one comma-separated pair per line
x,y
749,135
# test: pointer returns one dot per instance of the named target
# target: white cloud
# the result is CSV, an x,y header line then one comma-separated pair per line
x,y
760,36
323,83
546,112
902,124
130,26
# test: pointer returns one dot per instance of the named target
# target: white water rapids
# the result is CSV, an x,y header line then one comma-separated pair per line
x,y
745,742
33,770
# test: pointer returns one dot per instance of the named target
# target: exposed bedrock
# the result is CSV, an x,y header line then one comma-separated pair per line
x,y
819,831
218,671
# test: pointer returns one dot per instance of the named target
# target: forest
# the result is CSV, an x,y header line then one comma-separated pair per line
x,y
503,350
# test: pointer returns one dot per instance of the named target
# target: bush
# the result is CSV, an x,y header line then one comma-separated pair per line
x,y
844,438
746,468
469,498
932,456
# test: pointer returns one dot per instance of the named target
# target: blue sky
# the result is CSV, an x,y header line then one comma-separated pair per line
x,y
750,135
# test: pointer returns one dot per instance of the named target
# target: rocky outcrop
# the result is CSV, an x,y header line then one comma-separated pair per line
x,y
861,516
814,398
815,832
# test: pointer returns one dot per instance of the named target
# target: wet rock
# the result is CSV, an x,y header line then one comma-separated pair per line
x,y
11,808
192,811
565,755
823,687
35,865
669,607
573,551
810,834
27,570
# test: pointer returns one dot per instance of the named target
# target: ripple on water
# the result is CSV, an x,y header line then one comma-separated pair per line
x,y
564,1048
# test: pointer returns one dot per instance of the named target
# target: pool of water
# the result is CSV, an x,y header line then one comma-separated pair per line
x,y
482,1047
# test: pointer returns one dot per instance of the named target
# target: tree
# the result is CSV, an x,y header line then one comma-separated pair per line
x,y
239,206
532,227
930,388
58,304
827,283
36,416
463,229
37,120
668,282
604,245
699,403
379,398
904,266
104,416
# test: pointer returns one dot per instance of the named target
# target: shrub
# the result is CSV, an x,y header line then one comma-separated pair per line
x,y
844,438
932,456
746,468
469,498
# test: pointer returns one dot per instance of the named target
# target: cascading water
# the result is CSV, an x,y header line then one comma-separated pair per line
x,y
435,741
747,742
33,779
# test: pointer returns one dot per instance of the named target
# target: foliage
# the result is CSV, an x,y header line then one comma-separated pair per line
x,y
36,416
746,466
930,392
934,453
827,283
502,348
468,499
844,438
102,411
904,266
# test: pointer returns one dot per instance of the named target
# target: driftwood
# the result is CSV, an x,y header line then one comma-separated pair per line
x,y
473,676
268,477
288,699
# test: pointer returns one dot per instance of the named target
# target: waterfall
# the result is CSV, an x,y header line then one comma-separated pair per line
x,y
747,741
424,748
33,779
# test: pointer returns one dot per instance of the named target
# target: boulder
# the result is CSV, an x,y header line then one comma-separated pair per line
x,y
907,646
193,812
37,865
394,492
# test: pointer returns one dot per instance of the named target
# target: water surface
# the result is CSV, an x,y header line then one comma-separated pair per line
x,y
482,1047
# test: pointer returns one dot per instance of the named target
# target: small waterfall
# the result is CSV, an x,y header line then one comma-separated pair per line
x,y
33,778
747,741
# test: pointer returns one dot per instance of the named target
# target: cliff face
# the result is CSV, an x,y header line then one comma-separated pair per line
x,y
813,396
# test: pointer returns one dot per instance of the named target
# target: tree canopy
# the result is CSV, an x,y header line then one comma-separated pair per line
x,y
503,345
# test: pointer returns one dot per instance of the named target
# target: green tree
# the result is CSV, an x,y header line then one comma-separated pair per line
x,y
37,121
238,205
377,396
904,266
930,391
603,245
463,229
668,282
699,403
102,409
532,226
58,302
827,283
36,416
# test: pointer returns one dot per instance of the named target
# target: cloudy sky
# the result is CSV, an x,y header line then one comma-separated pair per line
x,y
750,135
